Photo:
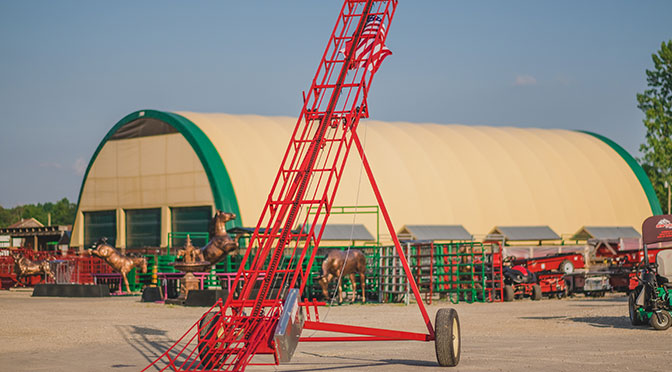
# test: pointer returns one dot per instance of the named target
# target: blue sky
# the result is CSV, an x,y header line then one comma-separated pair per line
x,y
69,70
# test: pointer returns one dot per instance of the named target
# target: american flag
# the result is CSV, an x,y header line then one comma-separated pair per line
x,y
370,51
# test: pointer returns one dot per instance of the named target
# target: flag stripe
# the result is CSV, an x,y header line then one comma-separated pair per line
x,y
370,51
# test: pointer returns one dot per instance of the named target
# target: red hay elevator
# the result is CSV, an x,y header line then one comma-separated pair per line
x,y
264,312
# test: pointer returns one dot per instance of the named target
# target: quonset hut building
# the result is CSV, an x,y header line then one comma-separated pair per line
x,y
160,172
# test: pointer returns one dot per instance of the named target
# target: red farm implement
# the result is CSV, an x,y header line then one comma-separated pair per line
x,y
623,257
550,272
263,313
553,284
561,262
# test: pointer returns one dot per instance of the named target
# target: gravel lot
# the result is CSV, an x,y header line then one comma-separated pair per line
x,y
123,334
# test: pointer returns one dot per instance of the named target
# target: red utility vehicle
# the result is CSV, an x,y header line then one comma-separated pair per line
x,y
519,282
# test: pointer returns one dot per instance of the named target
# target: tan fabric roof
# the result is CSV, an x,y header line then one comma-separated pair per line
x,y
476,176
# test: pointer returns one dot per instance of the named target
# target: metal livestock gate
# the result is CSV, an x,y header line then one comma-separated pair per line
x,y
467,271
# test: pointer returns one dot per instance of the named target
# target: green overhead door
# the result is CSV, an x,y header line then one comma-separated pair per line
x,y
143,228
190,220
99,224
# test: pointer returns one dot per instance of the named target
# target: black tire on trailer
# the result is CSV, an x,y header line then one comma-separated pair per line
x,y
447,337
536,292
509,293
566,267
661,320
207,329
632,310
561,293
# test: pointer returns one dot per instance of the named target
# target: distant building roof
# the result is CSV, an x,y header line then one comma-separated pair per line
x,y
333,232
250,230
26,231
435,232
349,232
28,222
605,232
523,233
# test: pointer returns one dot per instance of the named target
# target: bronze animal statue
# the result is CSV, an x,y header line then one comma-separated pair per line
x,y
120,264
190,254
220,243
24,267
335,262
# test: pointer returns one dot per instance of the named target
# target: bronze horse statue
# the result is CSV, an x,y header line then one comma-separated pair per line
x,y
220,244
120,264
335,262
24,267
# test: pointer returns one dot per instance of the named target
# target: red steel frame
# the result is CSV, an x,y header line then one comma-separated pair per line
x,y
307,180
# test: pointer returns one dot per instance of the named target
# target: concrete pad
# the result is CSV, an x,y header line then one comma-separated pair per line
x,y
124,334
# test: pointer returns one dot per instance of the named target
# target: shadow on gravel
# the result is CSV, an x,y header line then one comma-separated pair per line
x,y
542,317
350,362
151,343
620,322
339,367
619,299
414,363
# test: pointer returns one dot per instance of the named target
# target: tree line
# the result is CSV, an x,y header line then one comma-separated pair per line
x,y
656,103
62,213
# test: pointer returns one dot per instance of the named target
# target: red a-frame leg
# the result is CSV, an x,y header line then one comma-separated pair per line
x,y
397,245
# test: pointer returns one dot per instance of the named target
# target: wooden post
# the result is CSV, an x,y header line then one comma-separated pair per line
x,y
669,199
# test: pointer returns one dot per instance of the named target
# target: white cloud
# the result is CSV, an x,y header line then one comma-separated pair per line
x,y
80,166
522,80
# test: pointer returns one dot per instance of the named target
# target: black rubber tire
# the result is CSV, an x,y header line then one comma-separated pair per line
x,y
448,342
207,329
566,267
661,321
536,292
509,293
563,294
632,310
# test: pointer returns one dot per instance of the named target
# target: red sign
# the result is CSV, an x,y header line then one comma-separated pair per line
x,y
656,229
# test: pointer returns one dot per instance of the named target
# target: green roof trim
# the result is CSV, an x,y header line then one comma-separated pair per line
x,y
220,183
637,169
